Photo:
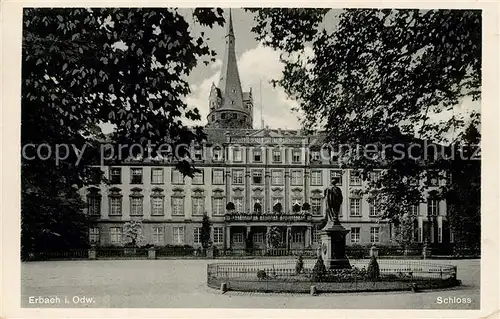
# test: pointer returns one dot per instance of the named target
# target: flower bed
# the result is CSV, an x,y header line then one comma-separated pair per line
x,y
283,276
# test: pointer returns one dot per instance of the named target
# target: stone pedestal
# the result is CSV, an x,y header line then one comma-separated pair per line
x,y
92,253
333,246
152,253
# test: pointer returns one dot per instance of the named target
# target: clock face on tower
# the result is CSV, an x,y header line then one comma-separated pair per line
x,y
324,248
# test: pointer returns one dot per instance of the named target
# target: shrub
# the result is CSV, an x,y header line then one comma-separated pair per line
x,y
299,266
373,271
319,270
261,274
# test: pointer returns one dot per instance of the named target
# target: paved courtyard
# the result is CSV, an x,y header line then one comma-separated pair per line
x,y
182,284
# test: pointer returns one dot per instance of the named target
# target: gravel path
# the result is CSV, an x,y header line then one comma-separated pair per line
x,y
182,283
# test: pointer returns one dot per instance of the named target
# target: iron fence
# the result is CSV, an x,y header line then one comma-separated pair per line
x,y
285,270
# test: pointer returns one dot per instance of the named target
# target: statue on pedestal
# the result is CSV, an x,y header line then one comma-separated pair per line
x,y
333,198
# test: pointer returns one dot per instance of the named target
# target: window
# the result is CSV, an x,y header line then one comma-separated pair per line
x,y
178,233
277,177
223,116
315,156
136,176
218,235
258,238
296,154
95,175
218,206
355,178
238,238
198,205
158,236
218,177
197,235
316,234
316,178
337,175
157,176
433,178
115,204
237,176
433,207
116,235
355,231
177,177
355,206
316,206
238,204
115,175
237,155
178,206
257,176
297,237
198,154
373,208
277,156
197,178
374,235
94,235
375,177
296,177
136,206
440,235
94,202
257,155
157,206
414,210
217,154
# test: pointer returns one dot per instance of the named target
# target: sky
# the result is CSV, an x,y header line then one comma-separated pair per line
x,y
257,66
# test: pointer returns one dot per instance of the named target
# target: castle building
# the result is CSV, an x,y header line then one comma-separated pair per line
x,y
267,174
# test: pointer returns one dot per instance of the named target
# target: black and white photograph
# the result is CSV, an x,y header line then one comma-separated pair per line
x,y
246,157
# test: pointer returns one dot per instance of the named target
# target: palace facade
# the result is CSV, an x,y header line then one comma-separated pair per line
x,y
254,169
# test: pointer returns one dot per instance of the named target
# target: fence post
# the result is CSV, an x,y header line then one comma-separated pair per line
x,y
92,253
151,253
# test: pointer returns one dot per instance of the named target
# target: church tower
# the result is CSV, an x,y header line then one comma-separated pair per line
x,y
229,106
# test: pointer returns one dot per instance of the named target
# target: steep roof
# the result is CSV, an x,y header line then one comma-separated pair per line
x,y
229,82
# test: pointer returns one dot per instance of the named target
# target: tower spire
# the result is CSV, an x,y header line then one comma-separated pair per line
x,y
229,82
230,31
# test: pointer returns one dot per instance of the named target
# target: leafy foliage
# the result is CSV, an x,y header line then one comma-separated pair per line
x,y
205,231
299,266
378,78
83,67
373,270
132,232
319,270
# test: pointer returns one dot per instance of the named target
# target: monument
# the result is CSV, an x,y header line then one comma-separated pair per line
x,y
333,235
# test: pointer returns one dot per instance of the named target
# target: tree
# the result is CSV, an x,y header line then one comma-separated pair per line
x,y
274,237
404,231
82,67
132,232
205,232
378,79
463,195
